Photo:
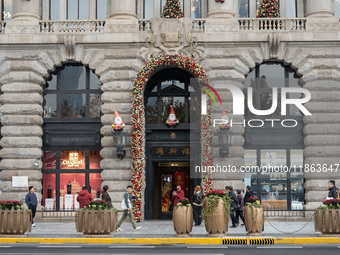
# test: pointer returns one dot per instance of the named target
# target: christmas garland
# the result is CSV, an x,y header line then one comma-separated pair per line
x,y
138,122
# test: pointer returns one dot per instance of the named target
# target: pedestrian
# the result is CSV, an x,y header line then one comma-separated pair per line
x,y
127,207
333,190
32,202
233,206
106,197
240,207
249,194
197,205
177,195
84,197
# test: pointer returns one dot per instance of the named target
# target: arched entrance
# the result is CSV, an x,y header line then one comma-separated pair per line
x,y
180,75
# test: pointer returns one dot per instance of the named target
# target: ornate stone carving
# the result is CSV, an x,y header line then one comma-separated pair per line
x,y
221,27
274,45
70,45
171,34
21,30
123,28
323,27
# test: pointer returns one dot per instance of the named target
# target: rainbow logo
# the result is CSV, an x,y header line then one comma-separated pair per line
x,y
211,95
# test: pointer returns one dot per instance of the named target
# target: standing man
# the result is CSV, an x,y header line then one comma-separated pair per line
x,y
127,207
234,202
333,190
32,202
249,194
240,207
178,194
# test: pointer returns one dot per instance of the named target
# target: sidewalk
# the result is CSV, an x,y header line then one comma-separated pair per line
x,y
158,229
162,233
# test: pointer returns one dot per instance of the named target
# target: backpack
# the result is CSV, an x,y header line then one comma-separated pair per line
x,y
337,192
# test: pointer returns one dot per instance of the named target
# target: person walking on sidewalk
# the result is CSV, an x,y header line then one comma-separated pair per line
x,y
127,207
249,194
333,190
197,205
233,206
240,207
177,195
106,197
84,197
32,202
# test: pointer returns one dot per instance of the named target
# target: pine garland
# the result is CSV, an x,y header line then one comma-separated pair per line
x,y
269,9
172,10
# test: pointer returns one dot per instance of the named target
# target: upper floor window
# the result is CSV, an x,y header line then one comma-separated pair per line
x,y
243,6
337,8
272,75
6,7
78,9
101,9
73,92
249,8
196,9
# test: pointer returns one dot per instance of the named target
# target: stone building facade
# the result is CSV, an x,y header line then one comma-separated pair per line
x,y
228,48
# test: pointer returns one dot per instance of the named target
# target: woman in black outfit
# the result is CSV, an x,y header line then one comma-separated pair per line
x,y
197,205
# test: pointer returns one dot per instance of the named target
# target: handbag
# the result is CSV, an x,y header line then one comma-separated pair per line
x,y
124,205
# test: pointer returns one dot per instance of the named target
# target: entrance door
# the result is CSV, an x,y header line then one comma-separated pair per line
x,y
167,176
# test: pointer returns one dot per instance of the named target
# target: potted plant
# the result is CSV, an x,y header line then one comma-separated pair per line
x,y
96,218
327,217
215,212
14,219
254,216
183,217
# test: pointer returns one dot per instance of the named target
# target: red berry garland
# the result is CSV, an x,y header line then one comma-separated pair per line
x,y
138,122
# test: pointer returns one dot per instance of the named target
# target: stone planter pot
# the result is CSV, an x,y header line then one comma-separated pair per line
x,y
15,222
217,223
183,220
254,226
327,222
92,222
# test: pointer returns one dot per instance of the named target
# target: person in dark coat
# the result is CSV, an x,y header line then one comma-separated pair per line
x,y
240,207
106,197
333,190
249,194
84,197
32,202
197,205
234,202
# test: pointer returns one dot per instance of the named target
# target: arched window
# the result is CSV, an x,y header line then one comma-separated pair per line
x,y
73,92
72,139
272,148
164,91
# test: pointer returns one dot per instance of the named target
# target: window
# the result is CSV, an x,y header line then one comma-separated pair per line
x,y
78,9
54,9
266,76
274,156
64,175
73,92
148,9
243,9
163,3
101,10
196,9
290,9
6,10
337,8
164,91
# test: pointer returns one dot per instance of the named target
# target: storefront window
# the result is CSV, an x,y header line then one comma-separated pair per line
x,y
64,175
72,93
7,10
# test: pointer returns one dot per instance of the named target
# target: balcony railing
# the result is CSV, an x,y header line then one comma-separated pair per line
x,y
2,27
144,25
267,24
72,26
198,25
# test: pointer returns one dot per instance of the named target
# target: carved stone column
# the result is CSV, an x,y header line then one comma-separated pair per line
x,y
123,11
221,10
320,9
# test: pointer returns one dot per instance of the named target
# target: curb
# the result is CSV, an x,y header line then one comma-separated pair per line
x,y
176,241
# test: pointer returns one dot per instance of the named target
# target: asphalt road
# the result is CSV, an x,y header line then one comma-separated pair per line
x,y
178,250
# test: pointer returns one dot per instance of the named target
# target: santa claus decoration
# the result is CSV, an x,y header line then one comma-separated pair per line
x,y
226,120
118,124
172,121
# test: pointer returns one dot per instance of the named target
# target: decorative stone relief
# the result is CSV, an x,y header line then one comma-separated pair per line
x,y
70,45
274,45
